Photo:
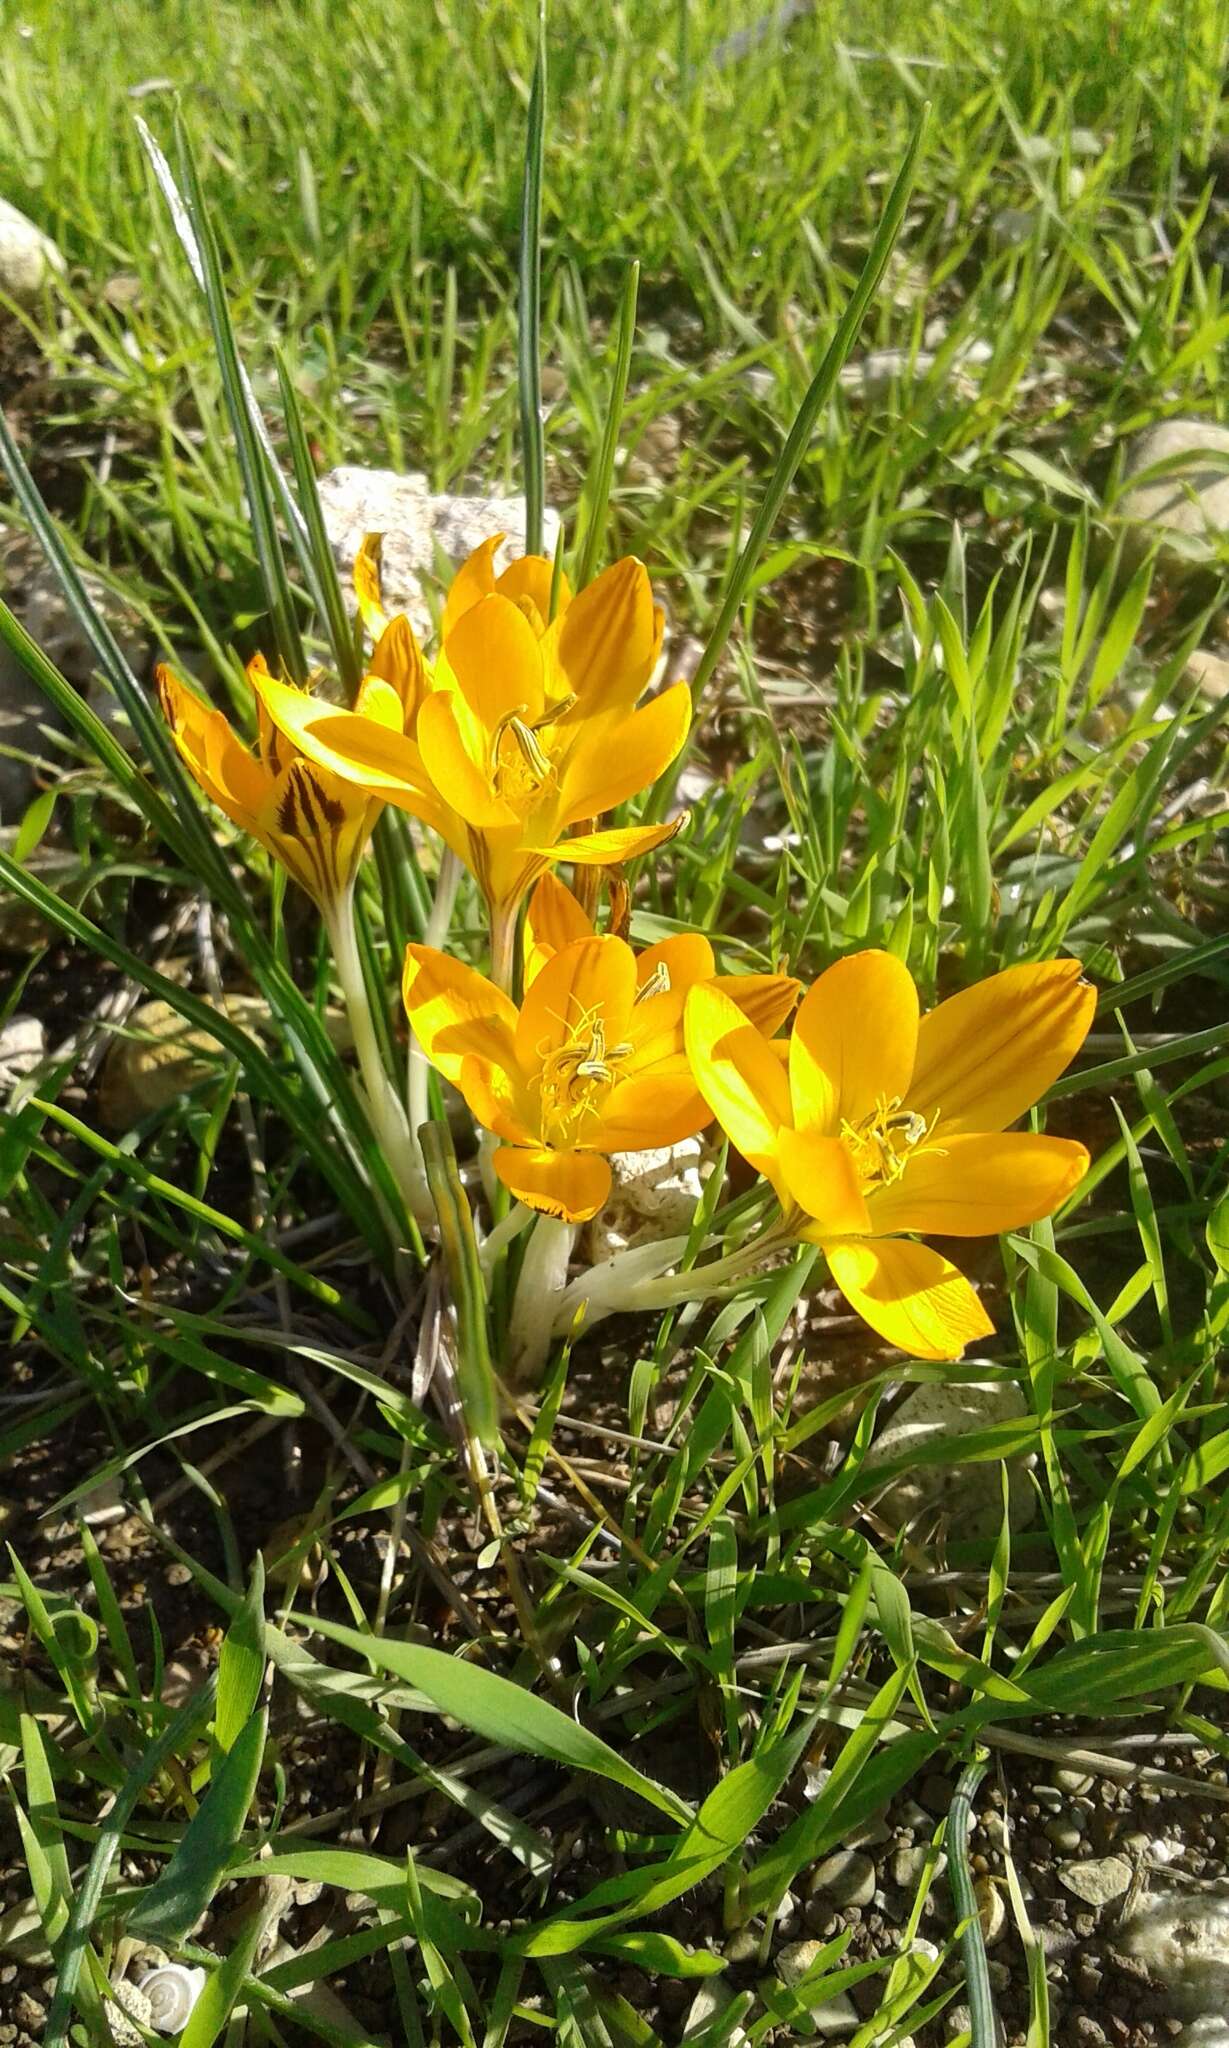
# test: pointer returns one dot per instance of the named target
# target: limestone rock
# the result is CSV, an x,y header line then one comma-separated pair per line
x,y
1099,1881
417,527
845,1877
1186,507
654,1196
23,1043
162,1056
1183,1939
32,591
969,1496
29,259
27,726
1211,671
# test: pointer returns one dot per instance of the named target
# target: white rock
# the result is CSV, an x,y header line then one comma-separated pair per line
x,y
23,1043
1211,672
653,1197
1099,1881
417,527
29,259
875,373
969,1496
1186,508
710,2001
27,723
1012,226
32,591
125,2003
835,2016
1183,1938
1210,2030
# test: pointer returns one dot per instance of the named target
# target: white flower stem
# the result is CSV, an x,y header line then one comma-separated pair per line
x,y
388,1118
417,1069
623,1285
497,1240
541,1286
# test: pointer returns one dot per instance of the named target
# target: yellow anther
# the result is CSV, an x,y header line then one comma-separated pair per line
x,y
658,983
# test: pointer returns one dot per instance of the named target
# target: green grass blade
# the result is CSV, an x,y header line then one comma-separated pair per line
x,y
174,1741
823,384
529,316
597,488
502,1712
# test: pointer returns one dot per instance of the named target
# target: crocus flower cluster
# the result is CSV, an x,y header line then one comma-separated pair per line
x,y
873,1125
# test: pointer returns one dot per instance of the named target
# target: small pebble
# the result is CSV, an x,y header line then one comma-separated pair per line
x,y
1077,1783
847,1878
1098,1881
1064,1834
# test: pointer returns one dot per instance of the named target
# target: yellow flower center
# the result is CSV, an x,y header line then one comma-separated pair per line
x,y
882,1143
520,765
576,1079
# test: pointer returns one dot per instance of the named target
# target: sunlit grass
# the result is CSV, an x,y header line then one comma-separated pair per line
x,y
953,718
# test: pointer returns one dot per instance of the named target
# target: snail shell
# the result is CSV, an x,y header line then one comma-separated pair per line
x,y
172,1990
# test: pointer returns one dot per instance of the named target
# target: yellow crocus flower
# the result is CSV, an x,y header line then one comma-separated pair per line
x,y
523,730
314,823
593,1060
883,1123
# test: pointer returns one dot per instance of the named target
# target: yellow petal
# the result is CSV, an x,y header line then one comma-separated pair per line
x,y
570,1185
606,644
457,1015
615,755
655,1108
527,581
367,585
591,982
739,1076
909,1294
764,999
398,658
378,700
853,1041
976,1185
492,651
449,740
655,1031
230,776
369,752
611,848
318,827
987,1054
685,958
474,579
819,1174
553,919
